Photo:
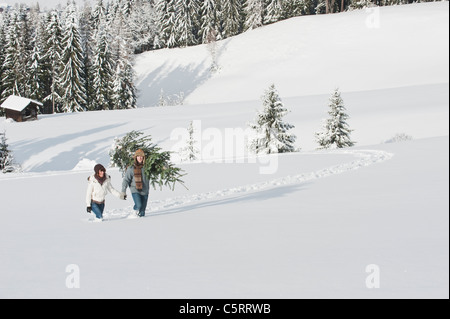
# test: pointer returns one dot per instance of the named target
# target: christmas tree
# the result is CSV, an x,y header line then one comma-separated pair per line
x,y
190,151
336,132
157,167
6,158
272,134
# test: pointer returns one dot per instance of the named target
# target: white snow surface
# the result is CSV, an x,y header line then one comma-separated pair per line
x,y
312,228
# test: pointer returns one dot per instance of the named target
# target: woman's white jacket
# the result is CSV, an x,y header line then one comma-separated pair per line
x,y
98,192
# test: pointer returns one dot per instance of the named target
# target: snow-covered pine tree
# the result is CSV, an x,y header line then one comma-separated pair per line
x,y
112,7
272,134
98,14
308,7
2,59
36,73
232,16
72,78
86,28
52,59
15,59
274,11
169,27
103,74
142,23
210,28
127,7
292,8
40,67
162,15
124,91
26,36
190,151
187,22
335,132
254,10
158,166
7,164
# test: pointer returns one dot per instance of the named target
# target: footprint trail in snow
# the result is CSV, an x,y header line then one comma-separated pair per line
x,y
364,158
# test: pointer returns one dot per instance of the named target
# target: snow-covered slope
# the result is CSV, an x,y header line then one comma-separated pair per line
x,y
416,103
321,224
362,50
311,230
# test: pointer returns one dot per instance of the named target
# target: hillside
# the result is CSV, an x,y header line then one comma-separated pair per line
x,y
410,94
364,50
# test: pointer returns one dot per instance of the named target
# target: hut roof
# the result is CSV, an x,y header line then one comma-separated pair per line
x,y
17,103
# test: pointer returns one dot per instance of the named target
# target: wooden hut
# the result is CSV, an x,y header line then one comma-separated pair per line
x,y
21,109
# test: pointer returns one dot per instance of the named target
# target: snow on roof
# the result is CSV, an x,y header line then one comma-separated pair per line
x,y
17,103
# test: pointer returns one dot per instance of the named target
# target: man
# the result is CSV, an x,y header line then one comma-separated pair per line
x,y
138,183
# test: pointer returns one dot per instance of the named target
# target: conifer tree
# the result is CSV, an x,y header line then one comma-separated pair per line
x,y
190,151
98,14
232,17
14,59
210,28
7,164
127,7
103,70
26,35
142,22
52,59
292,8
335,132
169,26
36,73
187,23
158,166
272,134
162,15
86,28
72,79
274,11
2,60
124,91
39,66
254,10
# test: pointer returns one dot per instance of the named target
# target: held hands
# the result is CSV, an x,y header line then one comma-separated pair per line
x,y
89,209
123,196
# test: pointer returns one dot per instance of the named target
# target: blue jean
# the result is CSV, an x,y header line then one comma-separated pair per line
x,y
98,209
140,203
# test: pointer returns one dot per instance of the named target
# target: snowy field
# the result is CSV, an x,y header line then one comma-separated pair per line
x,y
370,221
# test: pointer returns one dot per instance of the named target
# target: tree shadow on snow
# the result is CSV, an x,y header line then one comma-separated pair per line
x,y
70,158
174,80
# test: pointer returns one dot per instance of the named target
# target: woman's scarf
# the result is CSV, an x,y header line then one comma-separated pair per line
x,y
101,180
138,176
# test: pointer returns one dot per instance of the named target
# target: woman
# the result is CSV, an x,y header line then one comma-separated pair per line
x,y
138,183
98,187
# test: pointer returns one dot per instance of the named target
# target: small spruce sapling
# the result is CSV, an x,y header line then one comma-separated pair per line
x,y
271,132
190,151
335,132
7,163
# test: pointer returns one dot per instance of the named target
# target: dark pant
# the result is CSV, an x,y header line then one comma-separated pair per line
x,y
140,203
98,209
